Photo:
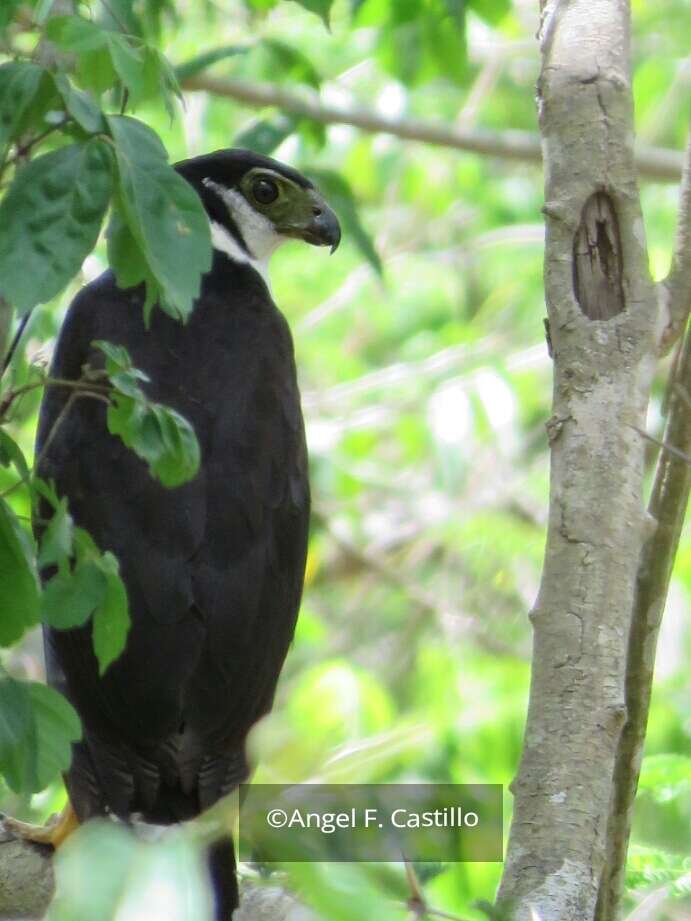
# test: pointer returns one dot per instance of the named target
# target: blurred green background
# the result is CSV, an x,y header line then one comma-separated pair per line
x,y
426,386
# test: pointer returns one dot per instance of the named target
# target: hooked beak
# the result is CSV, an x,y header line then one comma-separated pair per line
x,y
323,229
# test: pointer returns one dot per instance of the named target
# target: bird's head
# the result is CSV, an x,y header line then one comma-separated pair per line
x,y
255,203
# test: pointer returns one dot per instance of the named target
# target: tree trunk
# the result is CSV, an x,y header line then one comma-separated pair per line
x,y
604,328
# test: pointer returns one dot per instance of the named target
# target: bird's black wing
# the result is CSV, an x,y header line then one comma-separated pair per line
x,y
213,569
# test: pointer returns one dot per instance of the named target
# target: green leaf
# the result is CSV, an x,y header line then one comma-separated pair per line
x,y
90,43
80,105
179,460
19,592
57,726
291,64
17,736
119,16
95,70
321,7
72,595
340,196
19,83
128,262
50,219
73,33
122,373
37,727
159,435
112,618
264,136
56,542
163,212
130,64
11,453
203,61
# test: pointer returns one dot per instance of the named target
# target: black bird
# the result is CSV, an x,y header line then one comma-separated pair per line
x,y
214,568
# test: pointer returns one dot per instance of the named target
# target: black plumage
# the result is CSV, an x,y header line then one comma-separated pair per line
x,y
214,568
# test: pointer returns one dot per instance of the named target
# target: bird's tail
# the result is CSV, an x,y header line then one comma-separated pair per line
x,y
221,857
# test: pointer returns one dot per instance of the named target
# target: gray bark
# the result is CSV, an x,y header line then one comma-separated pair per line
x,y
604,327
26,879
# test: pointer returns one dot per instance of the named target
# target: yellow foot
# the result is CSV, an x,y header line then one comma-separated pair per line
x,y
57,829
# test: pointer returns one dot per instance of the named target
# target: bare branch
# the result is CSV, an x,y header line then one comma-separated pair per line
x,y
676,289
655,163
667,508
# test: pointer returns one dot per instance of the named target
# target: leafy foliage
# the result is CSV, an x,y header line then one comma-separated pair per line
x,y
127,876
159,435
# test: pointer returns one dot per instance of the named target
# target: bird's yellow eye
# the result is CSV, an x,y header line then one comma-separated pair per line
x,y
264,191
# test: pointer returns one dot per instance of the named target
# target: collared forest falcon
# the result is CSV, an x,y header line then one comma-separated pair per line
x,y
214,568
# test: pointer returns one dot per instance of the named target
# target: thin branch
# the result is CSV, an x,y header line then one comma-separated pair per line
x,y
676,289
662,445
87,385
25,148
655,163
667,508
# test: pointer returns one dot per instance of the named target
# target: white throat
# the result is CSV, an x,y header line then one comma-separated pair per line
x,y
225,242
257,231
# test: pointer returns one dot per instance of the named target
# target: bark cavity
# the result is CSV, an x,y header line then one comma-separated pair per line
x,y
597,259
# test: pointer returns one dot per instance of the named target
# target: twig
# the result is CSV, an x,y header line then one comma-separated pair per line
x,y
23,149
676,288
653,163
662,444
417,904
86,385
15,342
75,395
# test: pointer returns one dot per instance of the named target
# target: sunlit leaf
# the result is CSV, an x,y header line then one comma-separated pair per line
x,y
128,878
